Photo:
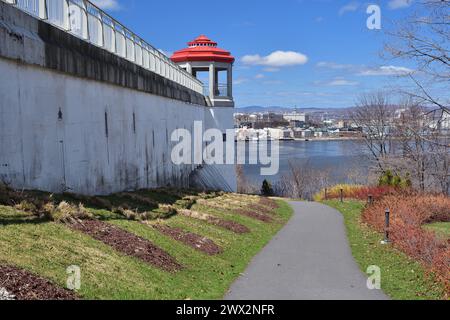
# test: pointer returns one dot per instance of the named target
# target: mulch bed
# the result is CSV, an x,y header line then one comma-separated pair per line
x,y
193,240
267,202
229,225
225,224
128,243
24,285
261,209
254,215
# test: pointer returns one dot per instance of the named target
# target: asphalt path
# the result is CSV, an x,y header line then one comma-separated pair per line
x,y
310,259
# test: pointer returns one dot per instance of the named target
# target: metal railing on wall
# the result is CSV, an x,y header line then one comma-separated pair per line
x,y
88,22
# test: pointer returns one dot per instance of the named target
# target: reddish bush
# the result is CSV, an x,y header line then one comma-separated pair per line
x,y
376,192
408,215
411,209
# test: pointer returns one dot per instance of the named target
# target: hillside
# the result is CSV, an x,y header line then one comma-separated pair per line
x,y
151,244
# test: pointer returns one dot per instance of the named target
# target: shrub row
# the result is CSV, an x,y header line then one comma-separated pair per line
x,y
409,212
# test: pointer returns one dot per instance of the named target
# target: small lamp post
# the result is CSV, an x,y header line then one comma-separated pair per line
x,y
342,195
387,226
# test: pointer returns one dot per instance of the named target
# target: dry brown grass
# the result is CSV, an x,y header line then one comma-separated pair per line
x,y
67,213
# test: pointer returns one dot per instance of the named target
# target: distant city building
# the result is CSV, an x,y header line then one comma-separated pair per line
x,y
297,117
299,124
292,125
288,134
275,134
439,119
445,123
328,123
260,120
302,134
343,124
272,117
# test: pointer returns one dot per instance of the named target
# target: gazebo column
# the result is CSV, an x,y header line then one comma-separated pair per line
x,y
230,81
212,79
216,83
189,68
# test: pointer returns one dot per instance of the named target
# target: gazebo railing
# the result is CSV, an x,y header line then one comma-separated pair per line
x,y
88,22
220,91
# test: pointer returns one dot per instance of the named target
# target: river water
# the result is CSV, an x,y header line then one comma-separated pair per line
x,y
342,159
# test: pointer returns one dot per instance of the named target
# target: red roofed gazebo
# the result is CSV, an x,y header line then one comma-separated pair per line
x,y
203,55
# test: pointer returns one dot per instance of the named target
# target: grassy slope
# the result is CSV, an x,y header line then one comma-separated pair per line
x,y
49,248
442,229
402,278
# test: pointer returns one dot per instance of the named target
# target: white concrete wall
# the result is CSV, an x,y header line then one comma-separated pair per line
x,y
39,151
221,118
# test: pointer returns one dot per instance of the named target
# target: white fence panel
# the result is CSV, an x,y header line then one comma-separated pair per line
x,y
30,6
130,48
78,19
138,54
109,35
121,48
152,61
95,25
58,13
145,58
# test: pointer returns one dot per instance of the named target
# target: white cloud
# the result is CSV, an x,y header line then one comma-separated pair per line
x,y
387,71
271,69
273,82
399,4
334,65
337,82
240,81
362,70
260,76
107,4
342,82
350,7
276,59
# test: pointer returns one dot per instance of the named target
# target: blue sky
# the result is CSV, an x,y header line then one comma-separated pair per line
x,y
304,53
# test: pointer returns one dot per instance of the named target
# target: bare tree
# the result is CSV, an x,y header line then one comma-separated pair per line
x,y
424,38
410,127
374,114
302,181
245,186
358,175
406,139
426,146
421,131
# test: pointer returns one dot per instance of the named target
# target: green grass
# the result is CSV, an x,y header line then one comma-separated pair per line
x,y
402,277
48,248
442,229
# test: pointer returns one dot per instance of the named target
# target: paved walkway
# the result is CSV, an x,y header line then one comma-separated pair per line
x,y
309,259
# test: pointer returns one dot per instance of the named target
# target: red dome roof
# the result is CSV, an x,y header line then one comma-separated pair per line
x,y
202,49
